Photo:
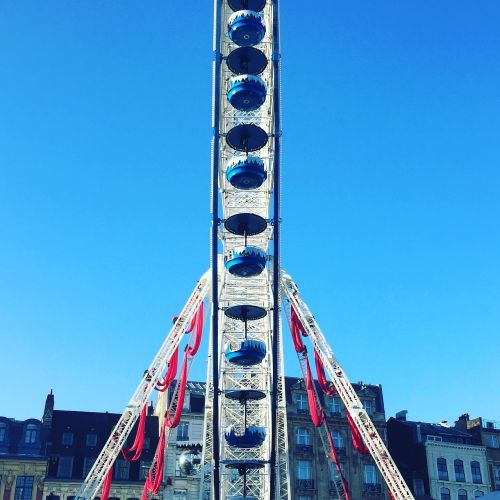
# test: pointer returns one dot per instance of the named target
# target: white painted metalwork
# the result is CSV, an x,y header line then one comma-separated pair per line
x,y
153,374
373,441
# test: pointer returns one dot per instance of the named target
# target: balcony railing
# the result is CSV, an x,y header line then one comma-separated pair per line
x,y
304,484
372,489
303,448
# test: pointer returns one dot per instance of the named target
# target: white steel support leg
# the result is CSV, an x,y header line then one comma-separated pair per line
x,y
374,443
118,437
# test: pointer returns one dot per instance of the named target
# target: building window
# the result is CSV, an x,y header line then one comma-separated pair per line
x,y
121,469
302,436
24,488
183,431
333,405
338,440
302,404
496,475
476,472
3,431
459,471
434,438
418,487
65,467
492,441
445,494
442,469
462,495
478,493
180,495
88,462
144,469
370,474
304,469
30,434
368,406
91,439
67,438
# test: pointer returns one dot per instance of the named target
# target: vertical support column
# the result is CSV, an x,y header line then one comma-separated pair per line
x,y
276,248
214,248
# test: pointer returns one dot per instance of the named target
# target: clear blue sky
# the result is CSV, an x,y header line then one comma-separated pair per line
x,y
391,117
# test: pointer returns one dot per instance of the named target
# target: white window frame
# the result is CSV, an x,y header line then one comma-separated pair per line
x,y
338,440
304,468
302,403
302,436
370,474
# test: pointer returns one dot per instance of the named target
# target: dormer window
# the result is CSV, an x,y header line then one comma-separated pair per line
x,y
30,434
302,404
91,439
3,431
67,438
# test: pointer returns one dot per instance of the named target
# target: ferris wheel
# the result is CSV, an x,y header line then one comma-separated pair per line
x,y
245,453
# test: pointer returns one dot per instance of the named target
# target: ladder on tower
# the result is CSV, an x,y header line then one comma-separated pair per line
x,y
395,482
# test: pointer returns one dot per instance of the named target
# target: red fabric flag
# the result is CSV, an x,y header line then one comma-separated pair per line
x,y
357,440
198,322
329,390
106,485
152,485
171,423
335,459
163,385
317,417
138,440
296,329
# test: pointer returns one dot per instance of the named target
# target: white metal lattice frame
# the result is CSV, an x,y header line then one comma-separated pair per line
x,y
122,429
373,441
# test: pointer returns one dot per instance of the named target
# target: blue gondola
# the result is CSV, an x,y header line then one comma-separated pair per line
x,y
246,172
247,137
245,224
245,28
246,261
253,436
249,353
246,92
246,61
247,4
245,312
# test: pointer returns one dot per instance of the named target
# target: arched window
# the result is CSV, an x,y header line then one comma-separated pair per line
x,y
476,472
302,436
462,495
478,493
3,431
445,494
459,471
30,434
442,469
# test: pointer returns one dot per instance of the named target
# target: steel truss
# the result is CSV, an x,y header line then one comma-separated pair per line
x,y
373,441
153,374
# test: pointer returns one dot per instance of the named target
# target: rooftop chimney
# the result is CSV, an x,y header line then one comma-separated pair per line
x,y
401,415
48,410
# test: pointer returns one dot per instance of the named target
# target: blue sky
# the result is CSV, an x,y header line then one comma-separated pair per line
x,y
391,117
